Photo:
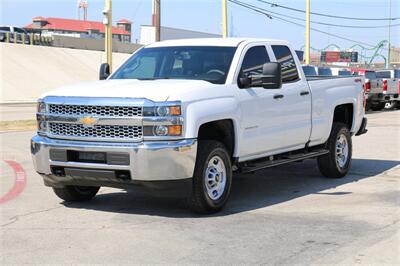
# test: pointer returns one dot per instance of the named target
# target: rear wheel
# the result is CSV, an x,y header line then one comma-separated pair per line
x,y
212,178
76,193
337,162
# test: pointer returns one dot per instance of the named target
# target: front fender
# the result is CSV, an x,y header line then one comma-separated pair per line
x,y
209,110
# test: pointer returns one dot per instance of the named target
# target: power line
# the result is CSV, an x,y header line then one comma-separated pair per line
x,y
264,12
321,14
333,25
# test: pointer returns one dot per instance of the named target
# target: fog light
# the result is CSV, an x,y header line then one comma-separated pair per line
x,y
161,131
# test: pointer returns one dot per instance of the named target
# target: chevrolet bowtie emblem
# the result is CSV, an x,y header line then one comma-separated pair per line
x,y
88,121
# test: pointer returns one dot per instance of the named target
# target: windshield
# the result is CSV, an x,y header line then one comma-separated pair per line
x,y
182,62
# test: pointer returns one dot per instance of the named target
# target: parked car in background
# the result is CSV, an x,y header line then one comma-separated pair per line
x,y
391,86
309,70
373,87
324,71
344,73
14,32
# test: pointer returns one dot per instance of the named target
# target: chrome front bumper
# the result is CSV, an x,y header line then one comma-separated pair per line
x,y
148,161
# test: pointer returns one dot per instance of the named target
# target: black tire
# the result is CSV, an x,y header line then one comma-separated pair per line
x,y
199,200
391,105
76,193
378,106
328,163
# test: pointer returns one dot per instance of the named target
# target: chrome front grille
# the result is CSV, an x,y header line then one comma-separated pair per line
x,y
97,132
106,111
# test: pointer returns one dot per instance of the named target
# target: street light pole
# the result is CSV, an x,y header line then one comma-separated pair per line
x,y
390,24
307,51
224,18
157,19
107,21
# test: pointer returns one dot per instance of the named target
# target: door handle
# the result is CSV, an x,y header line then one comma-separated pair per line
x,y
278,96
303,93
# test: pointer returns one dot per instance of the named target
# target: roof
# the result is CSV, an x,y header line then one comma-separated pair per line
x,y
124,21
75,25
226,42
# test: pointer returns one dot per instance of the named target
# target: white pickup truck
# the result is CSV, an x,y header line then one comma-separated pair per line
x,y
185,115
391,86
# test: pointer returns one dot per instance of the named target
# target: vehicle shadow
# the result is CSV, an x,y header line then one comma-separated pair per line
x,y
249,192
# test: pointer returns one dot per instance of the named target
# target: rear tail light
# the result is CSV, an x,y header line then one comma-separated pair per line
x,y
367,86
398,87
385,85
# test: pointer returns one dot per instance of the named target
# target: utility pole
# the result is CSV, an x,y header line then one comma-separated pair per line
x,y
224,18
307,51
157,18
390,25
107,21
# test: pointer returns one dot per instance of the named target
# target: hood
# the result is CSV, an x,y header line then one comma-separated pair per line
x,y
154,90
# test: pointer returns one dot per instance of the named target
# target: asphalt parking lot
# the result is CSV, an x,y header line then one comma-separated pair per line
x,y
285,215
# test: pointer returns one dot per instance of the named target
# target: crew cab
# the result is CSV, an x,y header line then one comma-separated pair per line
x,y
391,86
185,115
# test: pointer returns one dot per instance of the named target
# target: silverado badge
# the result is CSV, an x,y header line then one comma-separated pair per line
x,y
88,121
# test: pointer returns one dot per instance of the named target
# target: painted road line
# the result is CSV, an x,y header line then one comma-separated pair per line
x,y
19,184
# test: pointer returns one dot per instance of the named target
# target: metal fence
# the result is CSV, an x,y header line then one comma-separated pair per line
x,y
66,42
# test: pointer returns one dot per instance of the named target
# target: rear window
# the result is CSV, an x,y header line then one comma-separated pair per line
x,y
288,65
309,71
5,28
324,71
397,73
370,74
383,74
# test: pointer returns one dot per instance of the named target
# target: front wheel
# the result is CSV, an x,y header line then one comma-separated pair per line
x,y
337,162
212,178
76,193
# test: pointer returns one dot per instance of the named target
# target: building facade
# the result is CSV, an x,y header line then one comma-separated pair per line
x,y
80,28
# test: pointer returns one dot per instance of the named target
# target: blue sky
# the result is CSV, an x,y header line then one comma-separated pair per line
x,y
205,15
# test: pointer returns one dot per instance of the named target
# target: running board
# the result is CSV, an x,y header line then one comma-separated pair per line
x,y
281,159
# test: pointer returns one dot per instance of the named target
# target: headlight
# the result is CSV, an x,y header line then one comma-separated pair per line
x,y
41,107
41,123
162,111
163,131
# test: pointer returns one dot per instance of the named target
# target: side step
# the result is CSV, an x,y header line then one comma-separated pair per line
x,y
253,166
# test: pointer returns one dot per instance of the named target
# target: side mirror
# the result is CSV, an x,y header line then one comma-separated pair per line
x,y
104,71
272,76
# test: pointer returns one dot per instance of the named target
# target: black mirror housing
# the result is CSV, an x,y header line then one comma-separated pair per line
x,y
272,75
104,71
271,78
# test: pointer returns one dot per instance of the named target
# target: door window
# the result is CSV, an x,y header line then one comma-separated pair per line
x,y
288,65
253,62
